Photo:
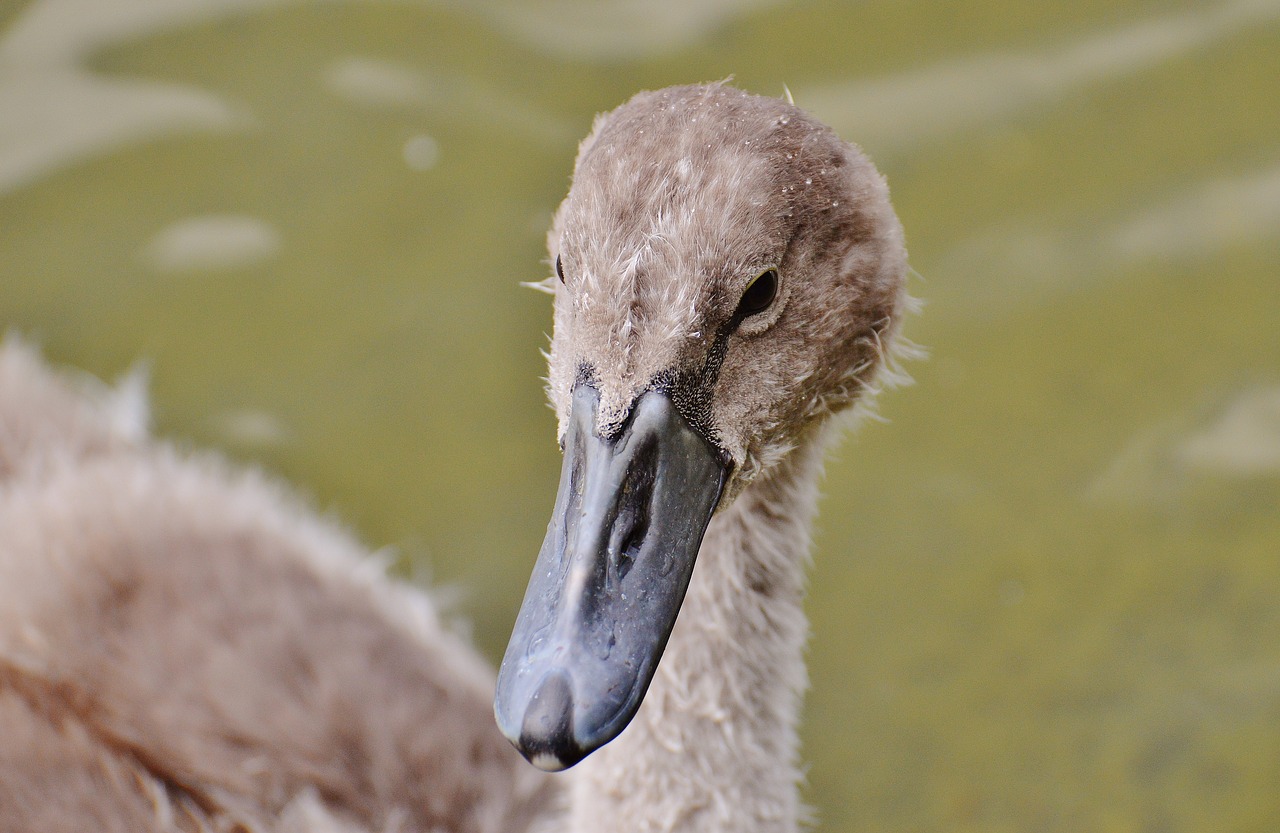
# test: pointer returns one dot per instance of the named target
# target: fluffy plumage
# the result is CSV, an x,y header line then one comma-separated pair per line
x,y
680,197
185,647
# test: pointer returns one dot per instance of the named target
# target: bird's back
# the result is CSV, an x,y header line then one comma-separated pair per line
x,y
185,646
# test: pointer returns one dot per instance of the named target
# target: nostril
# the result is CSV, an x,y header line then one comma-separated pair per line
x,y
632,524
631,544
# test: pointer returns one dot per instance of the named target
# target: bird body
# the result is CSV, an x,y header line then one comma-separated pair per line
x,y
184,646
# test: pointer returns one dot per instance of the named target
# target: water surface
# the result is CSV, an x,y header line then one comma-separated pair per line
x,y
1045,590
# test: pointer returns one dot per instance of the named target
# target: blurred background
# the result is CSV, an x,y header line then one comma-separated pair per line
x,y
1046,593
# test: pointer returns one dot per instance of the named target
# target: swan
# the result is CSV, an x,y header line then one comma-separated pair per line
x,y
185,646
729,276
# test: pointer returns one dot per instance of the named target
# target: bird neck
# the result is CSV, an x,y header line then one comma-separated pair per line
x,y
713,747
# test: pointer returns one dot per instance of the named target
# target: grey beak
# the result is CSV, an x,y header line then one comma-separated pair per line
x,y
629,518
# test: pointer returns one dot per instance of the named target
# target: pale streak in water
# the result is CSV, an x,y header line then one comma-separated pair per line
x,y
1206,218
251,428
892,114
214,242
1005,265
1240,438
53,112
608,31
1243,440
384,85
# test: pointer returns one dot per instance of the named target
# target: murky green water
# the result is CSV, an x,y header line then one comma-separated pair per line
x,y
1047,591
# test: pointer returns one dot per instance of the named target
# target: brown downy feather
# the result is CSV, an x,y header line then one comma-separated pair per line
x,y
184,646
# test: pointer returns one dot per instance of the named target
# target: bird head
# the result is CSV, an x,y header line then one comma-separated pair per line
x,y
727,275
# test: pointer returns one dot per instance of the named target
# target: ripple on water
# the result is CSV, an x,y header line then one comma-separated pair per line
x,y
1005,266
214,242
1243,440
252,429
616,30
54,112
379,84
893,113
1240,440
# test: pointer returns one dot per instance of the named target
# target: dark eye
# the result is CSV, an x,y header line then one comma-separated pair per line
x,y
559,269
759,294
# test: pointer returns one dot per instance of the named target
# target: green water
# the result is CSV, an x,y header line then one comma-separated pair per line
x,y
1047,590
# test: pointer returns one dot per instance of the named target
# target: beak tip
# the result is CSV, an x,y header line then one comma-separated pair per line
x,y
546,736
550,763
